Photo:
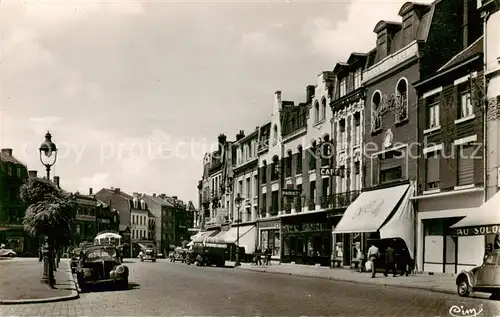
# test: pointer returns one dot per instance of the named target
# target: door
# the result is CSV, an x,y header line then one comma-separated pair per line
x,y
486,272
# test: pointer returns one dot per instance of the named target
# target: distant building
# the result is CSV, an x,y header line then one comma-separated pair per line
x,y
13,173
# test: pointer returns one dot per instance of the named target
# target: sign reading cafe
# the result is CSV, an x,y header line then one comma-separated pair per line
x,y
472,231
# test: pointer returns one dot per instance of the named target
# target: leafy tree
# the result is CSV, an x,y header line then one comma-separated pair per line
x,y
49,215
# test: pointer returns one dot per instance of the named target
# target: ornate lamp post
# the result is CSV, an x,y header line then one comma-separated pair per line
x,y
238,200
48,153
48,157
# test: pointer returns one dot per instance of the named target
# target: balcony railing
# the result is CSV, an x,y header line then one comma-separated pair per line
x,y
324,202
298,205
342,200
288,208
274,211
263,211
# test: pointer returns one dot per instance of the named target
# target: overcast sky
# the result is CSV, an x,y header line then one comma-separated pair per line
x,y
135,92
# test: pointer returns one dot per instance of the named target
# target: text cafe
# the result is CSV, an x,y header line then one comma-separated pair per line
x,y
484,221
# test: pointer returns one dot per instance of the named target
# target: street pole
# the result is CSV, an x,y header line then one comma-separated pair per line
x,y
47,167
238,240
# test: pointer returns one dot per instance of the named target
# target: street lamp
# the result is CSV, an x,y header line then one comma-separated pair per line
x,y
48,157
48,153
238,200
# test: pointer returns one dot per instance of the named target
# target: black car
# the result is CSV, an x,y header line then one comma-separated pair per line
x,y
101,264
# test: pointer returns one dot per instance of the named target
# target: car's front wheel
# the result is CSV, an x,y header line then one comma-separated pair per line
x,y
463,288
12,255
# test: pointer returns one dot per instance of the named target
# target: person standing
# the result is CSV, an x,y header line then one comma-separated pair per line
x,y
373,255
389,261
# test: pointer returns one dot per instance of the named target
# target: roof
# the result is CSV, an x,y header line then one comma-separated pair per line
x,y
158,200
355,56
9,159
340,67
122,194
472,50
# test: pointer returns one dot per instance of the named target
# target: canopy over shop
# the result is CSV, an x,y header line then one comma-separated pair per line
x,y
484,221
246,237
386,211
201,236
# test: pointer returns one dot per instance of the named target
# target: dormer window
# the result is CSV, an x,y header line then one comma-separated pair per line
x,y
143,204
401,102
343,86
357,78
136,203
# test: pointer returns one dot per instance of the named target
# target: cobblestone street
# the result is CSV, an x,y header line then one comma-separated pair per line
x,y
174,289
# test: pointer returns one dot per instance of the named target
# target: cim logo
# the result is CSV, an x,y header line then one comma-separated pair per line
x,y
460,311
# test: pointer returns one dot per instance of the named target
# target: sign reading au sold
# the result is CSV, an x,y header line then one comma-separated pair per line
x,y
474,231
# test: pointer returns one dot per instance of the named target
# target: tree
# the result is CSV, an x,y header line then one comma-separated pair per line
x,y
49,215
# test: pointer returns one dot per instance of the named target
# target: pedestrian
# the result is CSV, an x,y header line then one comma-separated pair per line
x,y
268,256
390,265
373,255
258,256
405,262
361,259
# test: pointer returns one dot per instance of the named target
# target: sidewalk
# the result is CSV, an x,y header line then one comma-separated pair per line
x,y
20,282
435,283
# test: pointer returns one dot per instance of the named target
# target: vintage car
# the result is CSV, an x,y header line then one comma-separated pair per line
x,y
7,253
484,278
209,254
75,259
148,255
100,264
178,255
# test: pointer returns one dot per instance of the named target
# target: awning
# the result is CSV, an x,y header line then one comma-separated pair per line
x,y
485,219
401,224
370,210
247,237
204,235
218,238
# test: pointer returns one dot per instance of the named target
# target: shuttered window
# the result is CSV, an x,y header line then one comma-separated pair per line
x,y
432,171
465,165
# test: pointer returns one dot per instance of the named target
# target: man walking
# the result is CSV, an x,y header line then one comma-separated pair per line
x,y
389,261
373,255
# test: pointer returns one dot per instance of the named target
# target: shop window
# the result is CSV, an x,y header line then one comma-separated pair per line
x,y
276,243
432,171
286,247
264,239
465,170
434,227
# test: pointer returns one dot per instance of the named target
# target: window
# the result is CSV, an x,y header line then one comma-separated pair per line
x,y
323,109
357,78
391,174
249,188
357,176
264,172
288,164
376,116
316,112
433,111
465,165
343,86
9,170
256,184
299,161
18,170
240,187
342,135
312,156
465,103
432,171
491,259
343,179
357,128
401,109
274,169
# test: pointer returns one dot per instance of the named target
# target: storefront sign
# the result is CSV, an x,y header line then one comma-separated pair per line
x,y
305,227
474,231
327,171
85,217
269,224
290,192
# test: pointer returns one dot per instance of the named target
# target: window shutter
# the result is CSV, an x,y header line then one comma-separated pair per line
x,y
375,171
465,166
432,174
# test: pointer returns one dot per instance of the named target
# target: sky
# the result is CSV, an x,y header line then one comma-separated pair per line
x,y
135,92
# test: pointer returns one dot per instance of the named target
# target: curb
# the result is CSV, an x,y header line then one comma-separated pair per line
x,y
431,289
74,295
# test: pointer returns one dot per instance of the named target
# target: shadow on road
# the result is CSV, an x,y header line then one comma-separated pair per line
x,y
109,288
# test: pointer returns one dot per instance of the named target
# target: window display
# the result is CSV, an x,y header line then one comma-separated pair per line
x,y
276,247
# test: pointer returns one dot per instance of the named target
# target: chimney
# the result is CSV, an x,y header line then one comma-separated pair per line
x,y
117,190
240,135
154,195
222,141
174,197
310,92
7,152
277,95
32,174
162,196
90,191
56,181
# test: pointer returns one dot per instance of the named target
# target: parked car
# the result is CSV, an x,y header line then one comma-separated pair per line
x,y
100,264
7,253
148,255
484,278
178,255
210,254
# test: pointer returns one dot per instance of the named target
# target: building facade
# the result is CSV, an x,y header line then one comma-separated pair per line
x,y
348,108
13,174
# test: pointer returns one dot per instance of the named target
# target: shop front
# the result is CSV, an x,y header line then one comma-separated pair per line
x,y
483,223
439,248
376,216
269,237
307,239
